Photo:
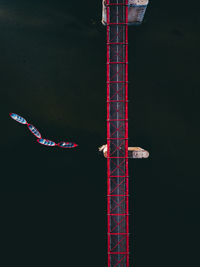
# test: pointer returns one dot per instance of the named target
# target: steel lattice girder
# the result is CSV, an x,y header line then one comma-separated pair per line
x,y
117,133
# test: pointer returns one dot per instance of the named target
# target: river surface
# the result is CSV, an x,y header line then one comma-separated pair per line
x,y
53,72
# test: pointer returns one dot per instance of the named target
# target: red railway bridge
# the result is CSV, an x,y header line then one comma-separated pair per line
x,y
117,14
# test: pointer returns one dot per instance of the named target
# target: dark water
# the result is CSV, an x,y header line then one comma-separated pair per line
x,y
53,73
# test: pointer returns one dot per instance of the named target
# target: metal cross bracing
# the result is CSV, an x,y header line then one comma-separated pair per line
x,y
117,133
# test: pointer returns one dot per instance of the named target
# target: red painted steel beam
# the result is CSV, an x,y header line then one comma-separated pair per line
x,y
117,133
